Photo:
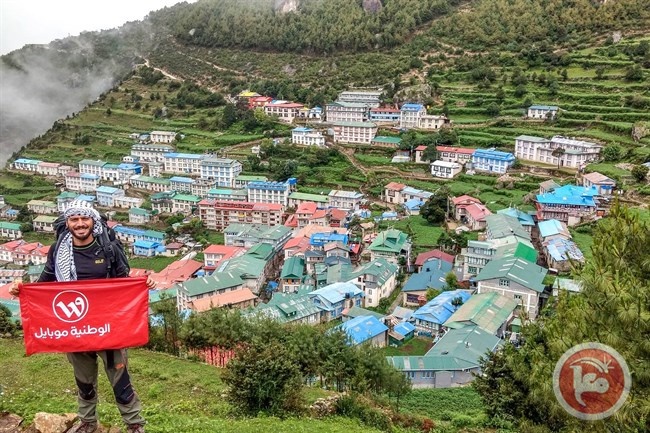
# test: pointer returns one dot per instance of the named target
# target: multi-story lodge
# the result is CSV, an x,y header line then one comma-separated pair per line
x,y
346,112
270,192
574,154
42,207
354,132
150,152
247,235
242,180
307,137
348,200
183,163
83,182
226,194
385,115
217,215
445,169
569,204
283,110
181,184
461,155
162,136
148,183
371,98
48,168
25,164
542,111
432,121
492,161
223,170
410,115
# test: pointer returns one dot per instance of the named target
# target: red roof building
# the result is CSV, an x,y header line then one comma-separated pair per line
x,y
175,272
214,255
433,254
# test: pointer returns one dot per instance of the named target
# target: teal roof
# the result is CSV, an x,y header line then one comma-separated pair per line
x,y
519,249
501,225
384,139
244,266
262,251
187,197
35,269
391,240
309,197
96,163
381,268
294,268
9,226
287,307
356,124
155,295
523,218
216,281
14,308
67,194
487,310
154,234
358,311
243,177
515,269
258,231
139,211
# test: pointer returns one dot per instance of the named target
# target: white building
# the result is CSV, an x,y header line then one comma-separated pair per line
x,y
162,136
410,115
269,192
283,110
183,163
222,170
307,137
430,121
83,182
90,166
445,169
346,112
542,111
576,153
48,168
150,152
371,98
347,200
354,132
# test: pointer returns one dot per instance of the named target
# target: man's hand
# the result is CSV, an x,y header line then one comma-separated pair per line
x,y
150,283
14,290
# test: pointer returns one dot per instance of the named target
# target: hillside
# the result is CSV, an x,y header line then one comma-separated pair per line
x,y
183,396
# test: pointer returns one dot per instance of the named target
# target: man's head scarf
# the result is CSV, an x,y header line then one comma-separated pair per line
x,y
64,267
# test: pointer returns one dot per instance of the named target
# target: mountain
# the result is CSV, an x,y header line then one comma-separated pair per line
x,y
306,50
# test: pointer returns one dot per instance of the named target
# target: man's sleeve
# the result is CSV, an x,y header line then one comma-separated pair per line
x,y
122,268
48,274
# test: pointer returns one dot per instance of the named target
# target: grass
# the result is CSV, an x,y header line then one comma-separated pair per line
x,y
177,395
423,234
414,347
444,403
156,264
44,238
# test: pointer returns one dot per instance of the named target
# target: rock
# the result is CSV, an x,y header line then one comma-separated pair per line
x,y
52,423
372,6
9,422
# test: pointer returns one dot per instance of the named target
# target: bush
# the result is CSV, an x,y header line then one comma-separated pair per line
x,y
351,407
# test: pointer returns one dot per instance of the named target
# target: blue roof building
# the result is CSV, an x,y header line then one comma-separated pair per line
x,y
364,329
320,239
432,275
334,298
526,220
430,317
492,161
147,248
569,204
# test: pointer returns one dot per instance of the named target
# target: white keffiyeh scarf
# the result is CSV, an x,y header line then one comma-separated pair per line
x,y
64,267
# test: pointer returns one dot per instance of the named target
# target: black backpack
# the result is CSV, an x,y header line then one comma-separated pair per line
x,y
113,249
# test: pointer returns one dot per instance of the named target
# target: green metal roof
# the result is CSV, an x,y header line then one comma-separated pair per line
x,y
487,310
501,225
139,211
9,226
516,269
67,194
356,124
96,163
154,234
392,241
155,295
358,311
381,268
468,344
245,266
259,231
294,268
520,250
287,307
261,251
243,177
384,139
42,203
212,283
309,197
46,218
187,197
154,180
35,269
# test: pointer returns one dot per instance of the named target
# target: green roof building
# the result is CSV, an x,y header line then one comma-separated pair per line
x,y
293,271
490,311
390,244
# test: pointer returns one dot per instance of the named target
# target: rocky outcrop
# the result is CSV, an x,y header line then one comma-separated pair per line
x,y
372,6
284,6
51,423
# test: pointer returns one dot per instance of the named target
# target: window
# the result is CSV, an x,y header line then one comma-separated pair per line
x,y
472,269
504,283
518,297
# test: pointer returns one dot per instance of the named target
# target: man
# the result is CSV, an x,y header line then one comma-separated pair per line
x,y
77,255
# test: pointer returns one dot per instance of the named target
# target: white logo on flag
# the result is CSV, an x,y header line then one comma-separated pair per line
x,y
70,306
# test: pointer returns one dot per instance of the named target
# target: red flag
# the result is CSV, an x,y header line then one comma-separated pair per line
x,y
85,315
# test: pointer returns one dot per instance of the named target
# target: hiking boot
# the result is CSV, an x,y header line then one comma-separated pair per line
x,y
84,427
135,428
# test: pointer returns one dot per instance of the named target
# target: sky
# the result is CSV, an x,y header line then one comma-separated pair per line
x,y
42,21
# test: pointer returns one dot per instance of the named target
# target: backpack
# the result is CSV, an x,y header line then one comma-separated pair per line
x,y
113,249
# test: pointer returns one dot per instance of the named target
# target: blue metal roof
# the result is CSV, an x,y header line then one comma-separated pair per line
x,y
128,230
543,107
181,179
564,249
569,195
302,129
362,328
336,292
439,309
183,155
413,204
404,328
493,154
321,239
524,218
107,189
550,228
409,106
432,275
88,176
269,185
146,244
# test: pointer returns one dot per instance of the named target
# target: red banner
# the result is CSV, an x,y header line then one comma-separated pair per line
x,y
87,315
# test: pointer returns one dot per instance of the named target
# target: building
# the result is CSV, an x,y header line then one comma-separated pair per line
x,y
297,198
492,161
130,235
525,219
198,288
242,181
376,278
183,163
445,169
307,137
139,216
562,254
573,154
392,193
569,204
429,318
391,245
42,207
91,166
215,255
217,215
431,121
154,184
334,298
181,184
222,170
365,329
346,112
44,223
292,274
48,168
517,279
347,200
106,195
258,101
431,276
162,136
25,164
148,152
424,257
283,110
473,258
227,194
381,140
249,235
385,115
270,191
371,98
489,311
603,184
354,132
461,155
291,308
470,212
543,112
410,115
82,182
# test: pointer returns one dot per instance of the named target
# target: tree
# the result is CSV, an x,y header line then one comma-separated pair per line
x,y
558,152
451,281
431,293
7,325
612,152
634,73
434,210
600,72
493,109
640,172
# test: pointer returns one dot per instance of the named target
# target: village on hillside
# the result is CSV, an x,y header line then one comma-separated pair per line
x,y
299,257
